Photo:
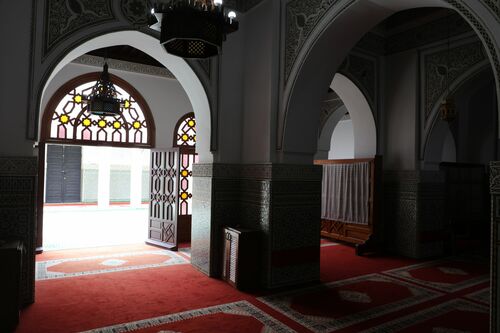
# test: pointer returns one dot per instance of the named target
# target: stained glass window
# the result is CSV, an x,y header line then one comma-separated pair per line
x,y
72,121
186,132
185,139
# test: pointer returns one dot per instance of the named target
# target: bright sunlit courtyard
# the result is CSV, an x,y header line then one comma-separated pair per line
x,y
81,226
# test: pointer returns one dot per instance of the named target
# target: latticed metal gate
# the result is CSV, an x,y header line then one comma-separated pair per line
x,y
163,206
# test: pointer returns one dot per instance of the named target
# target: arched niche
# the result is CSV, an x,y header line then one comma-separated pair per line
x,y
365,133
363,123
318,60
325,138
474,97
441,147
179,67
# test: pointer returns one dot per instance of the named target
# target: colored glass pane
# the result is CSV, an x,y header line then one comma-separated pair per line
x,y
117,124
126,104
78,99
64,119
184,173
184,195
102,123
186,132
137,124
87,122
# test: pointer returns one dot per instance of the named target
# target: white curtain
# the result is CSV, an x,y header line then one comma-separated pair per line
x,y
345,192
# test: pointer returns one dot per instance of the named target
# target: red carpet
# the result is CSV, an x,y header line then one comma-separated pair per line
x,y
371,294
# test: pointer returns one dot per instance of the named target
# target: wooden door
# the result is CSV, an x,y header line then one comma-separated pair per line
x,y
163,206
64,169
186,161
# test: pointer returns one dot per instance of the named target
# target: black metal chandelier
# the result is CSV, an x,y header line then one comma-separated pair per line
x,y
192,28
103,100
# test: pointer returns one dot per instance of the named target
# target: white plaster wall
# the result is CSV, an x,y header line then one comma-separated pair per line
x,y
342,144
15,33
260,82
324,142
363,124
230,105
400,111
166,98
449,153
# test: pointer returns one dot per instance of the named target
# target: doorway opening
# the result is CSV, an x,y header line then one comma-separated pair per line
x,y
95,178
434,229
95,196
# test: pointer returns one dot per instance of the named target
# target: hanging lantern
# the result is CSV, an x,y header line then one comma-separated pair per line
x,y
103,100
193,28
447,110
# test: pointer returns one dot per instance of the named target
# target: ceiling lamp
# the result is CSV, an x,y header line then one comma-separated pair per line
x,y
103,100
193,28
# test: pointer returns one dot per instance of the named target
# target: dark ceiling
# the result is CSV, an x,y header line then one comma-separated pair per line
x,y
241,5
126,53
411,18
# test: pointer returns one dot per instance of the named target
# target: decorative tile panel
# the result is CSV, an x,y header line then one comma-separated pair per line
x,y
276,199
18,177
495,244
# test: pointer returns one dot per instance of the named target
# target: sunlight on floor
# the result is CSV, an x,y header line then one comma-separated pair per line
x,y
68,227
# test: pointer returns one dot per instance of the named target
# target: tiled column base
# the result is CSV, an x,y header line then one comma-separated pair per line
x,y
17,214
413,206
495,245
282,201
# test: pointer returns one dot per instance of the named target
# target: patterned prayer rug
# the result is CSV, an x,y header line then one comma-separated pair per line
x,y
70,267
337,305
239,316
448,275
455,316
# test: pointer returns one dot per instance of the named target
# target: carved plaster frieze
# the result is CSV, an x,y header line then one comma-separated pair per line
x,y
444,67
64,17
124,66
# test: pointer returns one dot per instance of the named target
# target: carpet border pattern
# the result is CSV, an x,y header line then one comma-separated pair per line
x,y
241,307
42,272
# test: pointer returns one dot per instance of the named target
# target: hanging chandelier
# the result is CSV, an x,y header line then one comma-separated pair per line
x,y
193,28
103,100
